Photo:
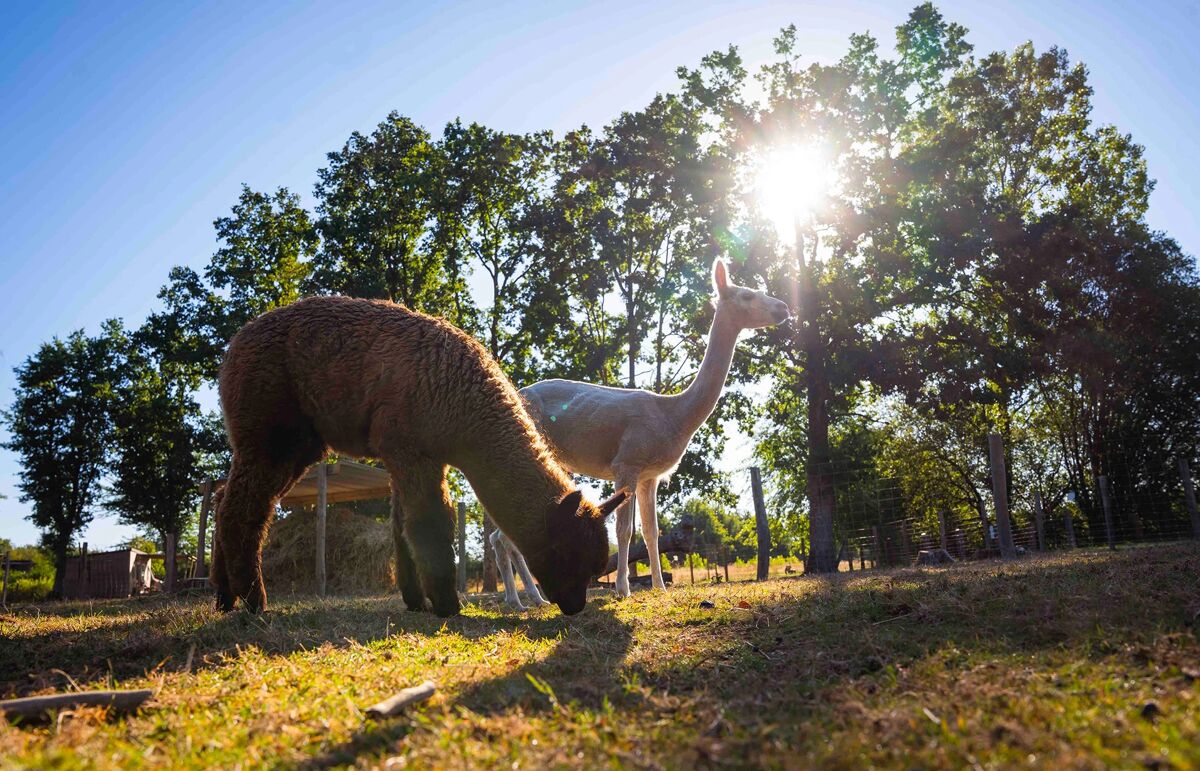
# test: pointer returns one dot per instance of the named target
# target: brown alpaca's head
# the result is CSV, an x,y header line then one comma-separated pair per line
x,y
578,549
748,308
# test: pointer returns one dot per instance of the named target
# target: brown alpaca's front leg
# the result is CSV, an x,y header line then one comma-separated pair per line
x,y
407,579
429,531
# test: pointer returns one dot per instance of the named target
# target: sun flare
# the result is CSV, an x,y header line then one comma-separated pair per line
x,y
789,183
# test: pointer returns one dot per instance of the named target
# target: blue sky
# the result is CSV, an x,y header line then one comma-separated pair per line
x,y
127,128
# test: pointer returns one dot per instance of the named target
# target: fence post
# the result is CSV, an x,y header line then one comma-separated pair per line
x,y
1000,494
764,529
878,546
726,564
1069,524
170,562
202,536
1189,496
322,506
849,556
942,531
4,590
462,547
691,570
1106,501
1039,518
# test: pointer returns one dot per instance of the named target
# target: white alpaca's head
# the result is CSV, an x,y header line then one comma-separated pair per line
x,y
746,307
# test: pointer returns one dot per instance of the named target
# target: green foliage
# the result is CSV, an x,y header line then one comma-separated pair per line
x,y
60,425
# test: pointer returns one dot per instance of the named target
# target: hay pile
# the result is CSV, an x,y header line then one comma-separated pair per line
x,y
358,554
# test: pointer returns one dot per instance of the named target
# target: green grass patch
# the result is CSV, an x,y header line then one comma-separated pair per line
x,y
1047,661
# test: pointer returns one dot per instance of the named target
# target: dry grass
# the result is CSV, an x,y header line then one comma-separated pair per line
x,y
1047,661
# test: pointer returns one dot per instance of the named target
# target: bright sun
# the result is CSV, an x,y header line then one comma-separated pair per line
x,y
789,182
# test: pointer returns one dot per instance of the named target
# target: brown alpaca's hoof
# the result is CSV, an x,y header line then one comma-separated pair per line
x,y
224,602
446,608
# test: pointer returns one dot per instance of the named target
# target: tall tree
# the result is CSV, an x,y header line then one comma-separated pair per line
x,y
377,205
61,427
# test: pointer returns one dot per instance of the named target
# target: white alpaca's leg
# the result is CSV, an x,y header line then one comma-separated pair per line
x,y
535,597
647,491
501,548
624,537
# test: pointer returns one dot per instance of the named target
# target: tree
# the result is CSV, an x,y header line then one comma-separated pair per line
x,y
159,441
377,203
61,427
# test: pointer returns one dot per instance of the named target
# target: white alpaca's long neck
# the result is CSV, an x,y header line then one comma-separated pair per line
x,y
697,402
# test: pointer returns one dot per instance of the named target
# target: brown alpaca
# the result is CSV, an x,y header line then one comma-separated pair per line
x,y
374,379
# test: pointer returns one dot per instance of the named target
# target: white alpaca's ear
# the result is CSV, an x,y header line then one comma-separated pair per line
x,y
613,503
720,275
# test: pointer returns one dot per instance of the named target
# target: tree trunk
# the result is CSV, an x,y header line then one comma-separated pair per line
x,y
631,329
60,570
821,501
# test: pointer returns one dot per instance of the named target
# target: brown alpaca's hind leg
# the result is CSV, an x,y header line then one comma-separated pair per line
x,y
250,494
406,571
428,529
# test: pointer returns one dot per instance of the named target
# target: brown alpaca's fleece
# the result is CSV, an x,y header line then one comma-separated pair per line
x,y
374,379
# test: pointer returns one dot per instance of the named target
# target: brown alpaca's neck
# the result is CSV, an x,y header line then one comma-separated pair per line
x,y
517,482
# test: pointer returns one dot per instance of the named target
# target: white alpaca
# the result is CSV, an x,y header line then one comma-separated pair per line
x,y
507,557
635,438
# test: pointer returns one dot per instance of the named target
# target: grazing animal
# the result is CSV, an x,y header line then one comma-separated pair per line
x,y
374,379
636,438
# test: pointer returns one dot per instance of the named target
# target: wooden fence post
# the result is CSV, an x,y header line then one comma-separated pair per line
x,y
4,590
1000,494
490,569
764,529
1039,518
170,562
462,546
322,511
1069,525
202,537
942,534
1189,496
878,547
726,564
1106,502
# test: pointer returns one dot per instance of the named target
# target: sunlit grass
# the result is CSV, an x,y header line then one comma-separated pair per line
x,y
1049,661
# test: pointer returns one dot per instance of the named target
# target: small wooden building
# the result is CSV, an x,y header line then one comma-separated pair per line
x,y
120,573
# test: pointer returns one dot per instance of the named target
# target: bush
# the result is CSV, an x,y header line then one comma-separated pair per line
x,y
35,584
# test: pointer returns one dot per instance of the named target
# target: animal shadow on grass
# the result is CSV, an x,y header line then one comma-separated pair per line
x,y
92,643
594,642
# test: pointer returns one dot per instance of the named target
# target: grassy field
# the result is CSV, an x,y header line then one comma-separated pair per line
x,y
1087,660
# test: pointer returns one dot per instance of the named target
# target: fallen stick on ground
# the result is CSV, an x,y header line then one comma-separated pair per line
x,y
34,706
393,705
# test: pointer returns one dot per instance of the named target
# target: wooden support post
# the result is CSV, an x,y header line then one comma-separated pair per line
x,y
1000,494
849,556
1069,526
322,511
4,590
490,571
169,562
462,546
862,556
691,570
1039,518
206,489
942,534
1189,496
763,527
1106,502
726,564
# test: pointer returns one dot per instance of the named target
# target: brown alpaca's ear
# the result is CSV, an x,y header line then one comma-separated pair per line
x,y
720,276
612,504
570,502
